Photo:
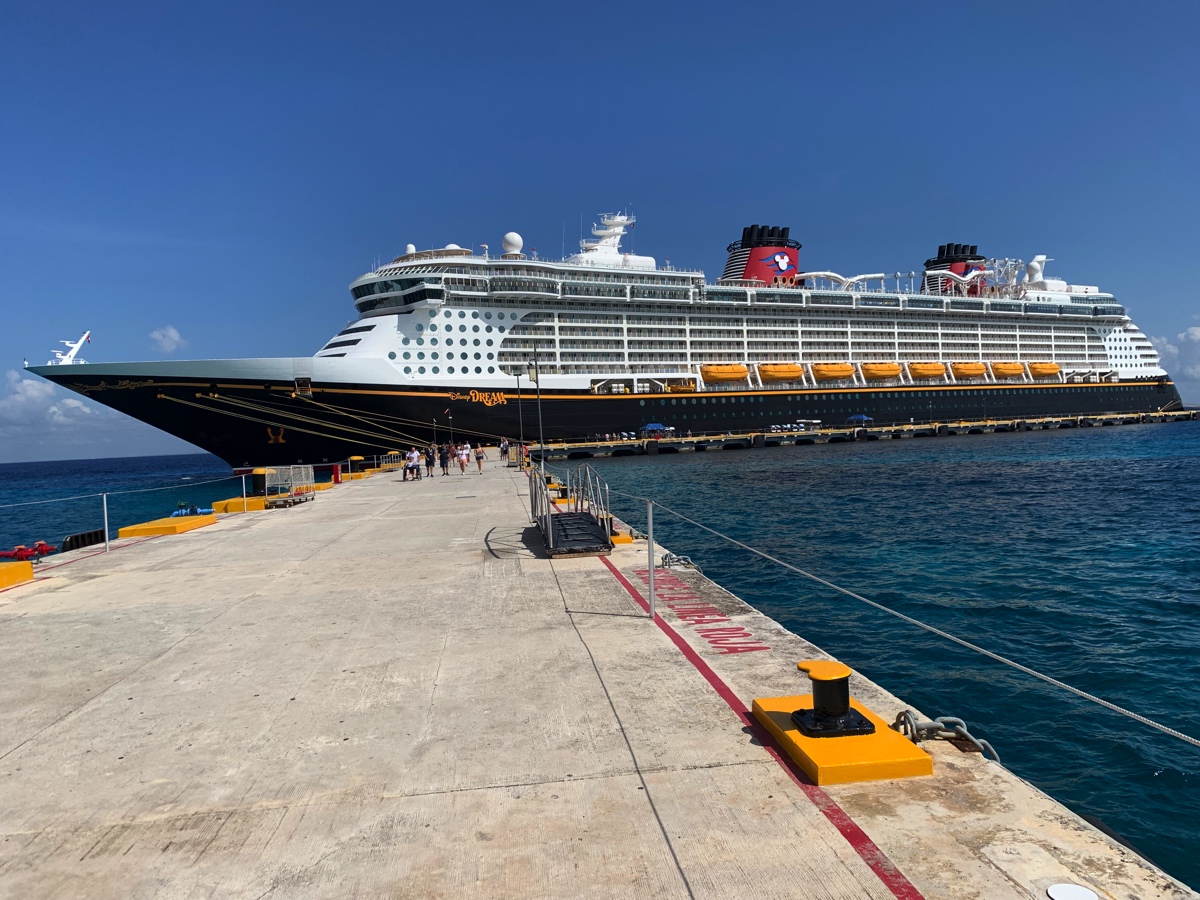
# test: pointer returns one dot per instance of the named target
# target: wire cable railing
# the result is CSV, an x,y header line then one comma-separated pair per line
x,y
1034,673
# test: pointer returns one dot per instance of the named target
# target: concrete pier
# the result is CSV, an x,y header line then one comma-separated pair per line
x,y
393,692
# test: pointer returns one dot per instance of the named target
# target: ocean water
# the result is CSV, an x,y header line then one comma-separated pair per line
x,y
1076,553
139,488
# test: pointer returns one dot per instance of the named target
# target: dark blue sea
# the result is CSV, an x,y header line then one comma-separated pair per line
x,y
1074,552
139,489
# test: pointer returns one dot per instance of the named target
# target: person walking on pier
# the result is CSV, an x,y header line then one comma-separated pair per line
x,y
430,455
444,458
480,456
464,455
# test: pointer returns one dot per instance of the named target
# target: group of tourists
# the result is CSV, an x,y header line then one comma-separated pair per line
x,y
444,455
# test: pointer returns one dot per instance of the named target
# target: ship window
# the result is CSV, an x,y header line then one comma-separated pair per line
x,y
433,327
491,370
462,327
420,327
408,370
478,370
641,403
435,370
407,354
474,327
450,369
487,316
420,355
420,370
462,314
391,354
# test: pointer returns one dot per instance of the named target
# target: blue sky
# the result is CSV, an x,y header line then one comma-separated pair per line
x,y
226,169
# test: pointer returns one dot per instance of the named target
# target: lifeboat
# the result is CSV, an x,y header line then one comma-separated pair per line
x,y
718,372
968,369
1043,370
781,372
832,371
926,369
879,371
1007,369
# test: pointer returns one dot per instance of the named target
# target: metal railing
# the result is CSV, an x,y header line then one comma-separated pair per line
x,y
541,505
587,492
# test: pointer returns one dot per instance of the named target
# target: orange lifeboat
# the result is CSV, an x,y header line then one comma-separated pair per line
x,y
832,371
720,372
880,371
1007,369
926,369
968,369
1043,370
781,372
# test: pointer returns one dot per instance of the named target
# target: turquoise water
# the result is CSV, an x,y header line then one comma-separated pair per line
x,y
1072,552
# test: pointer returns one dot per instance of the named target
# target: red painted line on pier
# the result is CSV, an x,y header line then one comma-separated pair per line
x,y
868,851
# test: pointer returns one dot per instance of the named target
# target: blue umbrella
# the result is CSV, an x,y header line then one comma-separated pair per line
x,y
860,417
654,426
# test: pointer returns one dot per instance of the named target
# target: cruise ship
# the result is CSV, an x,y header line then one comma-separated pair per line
x,y
446,343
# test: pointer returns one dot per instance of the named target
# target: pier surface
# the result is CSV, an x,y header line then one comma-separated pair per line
x,y
393,692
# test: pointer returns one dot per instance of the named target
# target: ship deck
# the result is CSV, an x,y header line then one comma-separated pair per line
x,y
393,692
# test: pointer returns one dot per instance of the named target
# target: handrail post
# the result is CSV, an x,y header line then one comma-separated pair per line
x,y
650,551
244,493
104,503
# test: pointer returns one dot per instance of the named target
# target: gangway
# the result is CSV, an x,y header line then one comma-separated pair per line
x,y
583,524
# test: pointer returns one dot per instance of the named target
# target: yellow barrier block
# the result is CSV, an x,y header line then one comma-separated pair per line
x,y
356,476
619,538
14,573
842,760
173,525
323,485
234,505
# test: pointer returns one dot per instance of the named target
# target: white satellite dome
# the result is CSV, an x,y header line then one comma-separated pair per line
x,y
453,247
512,242
410,249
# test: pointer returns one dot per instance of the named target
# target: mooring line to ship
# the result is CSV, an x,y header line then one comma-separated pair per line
x,y
226,412
1165,729
268,410
390,418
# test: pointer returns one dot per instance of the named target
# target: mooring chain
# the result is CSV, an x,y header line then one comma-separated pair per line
x,y
943,727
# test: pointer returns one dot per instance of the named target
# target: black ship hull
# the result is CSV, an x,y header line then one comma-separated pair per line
x,y
250,423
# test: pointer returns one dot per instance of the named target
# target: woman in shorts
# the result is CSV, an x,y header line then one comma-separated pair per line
x,y
480,456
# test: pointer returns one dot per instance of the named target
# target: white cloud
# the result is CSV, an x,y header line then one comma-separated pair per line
x,y
167,338
30,403
1181,354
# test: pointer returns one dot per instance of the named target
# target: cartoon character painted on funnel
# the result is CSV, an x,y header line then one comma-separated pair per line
x,y
779,263
773,265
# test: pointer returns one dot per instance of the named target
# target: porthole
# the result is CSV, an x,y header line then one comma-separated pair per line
x,y
432,313
475,342
433,342
407,354
474,327
433,327
487,316
450,370
488,329
420,342
420,370
478,370
491,370
435,370
462,314
463,341
489,342
477,356
433,355
662,402
672,402
447,314
420,355
501,329
404,343
462,327
408,370
449,356
491,356
641,403
420,327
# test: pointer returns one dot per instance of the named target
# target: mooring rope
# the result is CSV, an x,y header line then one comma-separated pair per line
x,y
1137,717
